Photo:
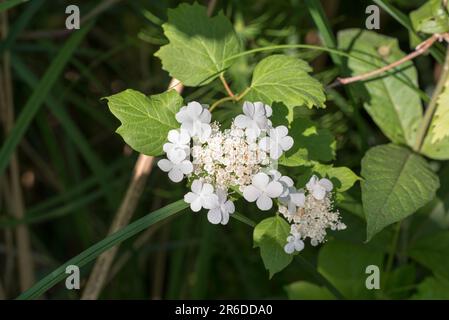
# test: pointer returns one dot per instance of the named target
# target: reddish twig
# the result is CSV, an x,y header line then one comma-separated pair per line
x,y
420,49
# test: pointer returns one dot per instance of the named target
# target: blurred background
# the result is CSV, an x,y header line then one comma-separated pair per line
x,y
70,171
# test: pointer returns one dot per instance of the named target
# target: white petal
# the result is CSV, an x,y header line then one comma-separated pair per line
x,y
264,144
312,182
230,207
176,155
205,116
275,151
197,185
326,184
260,180
251,193
281,131
241,121
184,137
214,216
190,197
165,165
207,189
318,192
175,174
259,110
287,143
289,248
186,167
194,109
274,189
299,245
224,218
182,115
248,109
195,206
205,131
173,136
276,175
264,203
287,180
209,201
268,111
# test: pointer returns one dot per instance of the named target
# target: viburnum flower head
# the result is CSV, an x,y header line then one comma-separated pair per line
x,y
201,196
195,118
240,159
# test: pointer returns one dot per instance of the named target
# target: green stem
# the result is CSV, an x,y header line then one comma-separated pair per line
x,y
235,98
220,101
430,111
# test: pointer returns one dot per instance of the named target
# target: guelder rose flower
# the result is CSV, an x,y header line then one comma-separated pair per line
x,y
255,118
178,147
195,119
221,213
262,190
319,187
202,196
277,142
294,242
176,171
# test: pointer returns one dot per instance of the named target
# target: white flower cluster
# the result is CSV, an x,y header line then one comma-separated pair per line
x,y
220,163
313,216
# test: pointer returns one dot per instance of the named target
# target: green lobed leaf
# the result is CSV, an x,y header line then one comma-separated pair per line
x,y
198,45
431,17
436,143
270,235
397,182
344,265
311,144
433,253
394,106
303,290
285,79
146,120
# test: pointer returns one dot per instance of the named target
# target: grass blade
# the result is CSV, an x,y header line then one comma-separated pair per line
x,y
20,24
38,97
94,251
